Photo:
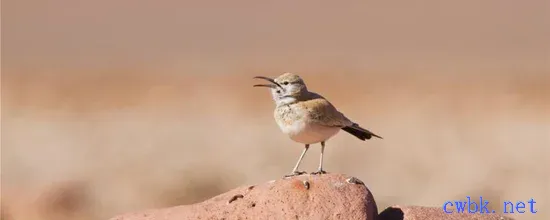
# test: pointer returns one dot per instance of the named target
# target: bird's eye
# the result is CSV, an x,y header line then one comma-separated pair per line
x,y
285,83
278,91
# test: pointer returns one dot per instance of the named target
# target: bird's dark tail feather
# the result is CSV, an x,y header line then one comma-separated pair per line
x,y
360,132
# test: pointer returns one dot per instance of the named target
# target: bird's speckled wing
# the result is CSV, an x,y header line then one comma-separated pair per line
x,y
324,113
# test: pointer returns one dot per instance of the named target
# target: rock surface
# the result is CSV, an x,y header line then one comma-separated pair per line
x,y
327,196
431,213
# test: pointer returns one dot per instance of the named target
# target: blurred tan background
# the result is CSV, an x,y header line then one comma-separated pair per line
x,y
115,106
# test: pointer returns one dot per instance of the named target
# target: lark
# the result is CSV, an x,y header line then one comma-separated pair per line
x,y
307,117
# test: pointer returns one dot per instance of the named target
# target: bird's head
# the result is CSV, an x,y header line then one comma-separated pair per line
x,y
286,89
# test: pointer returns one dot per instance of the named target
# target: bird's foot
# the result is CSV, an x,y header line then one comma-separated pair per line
x,y
295,173
319,172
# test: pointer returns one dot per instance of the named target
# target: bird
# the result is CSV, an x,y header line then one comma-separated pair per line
x,y
307,117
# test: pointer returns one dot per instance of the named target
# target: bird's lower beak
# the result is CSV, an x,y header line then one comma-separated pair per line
x,y
274,85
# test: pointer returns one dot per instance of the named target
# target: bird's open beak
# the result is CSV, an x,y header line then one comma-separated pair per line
x,y
273,86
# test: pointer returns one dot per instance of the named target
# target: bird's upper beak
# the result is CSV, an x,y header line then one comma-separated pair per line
x,y
273,86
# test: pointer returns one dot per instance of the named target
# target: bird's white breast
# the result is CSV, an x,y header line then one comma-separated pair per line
x,y
295,122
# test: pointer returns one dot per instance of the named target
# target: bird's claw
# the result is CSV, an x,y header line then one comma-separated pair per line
x,y
295,173
319,172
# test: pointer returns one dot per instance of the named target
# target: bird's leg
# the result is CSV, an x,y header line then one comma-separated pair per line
x,y
295,171
320,170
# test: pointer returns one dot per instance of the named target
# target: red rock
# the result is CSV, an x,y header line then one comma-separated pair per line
x,y
327,196
432,213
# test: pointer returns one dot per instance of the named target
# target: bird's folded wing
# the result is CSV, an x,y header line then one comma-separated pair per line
x,y
324,113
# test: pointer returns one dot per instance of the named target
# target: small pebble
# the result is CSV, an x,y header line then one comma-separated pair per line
x,y
306,184
354,180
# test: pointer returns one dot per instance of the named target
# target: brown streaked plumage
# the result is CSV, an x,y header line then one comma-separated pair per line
x,y
307,117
